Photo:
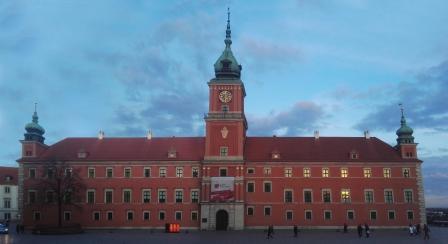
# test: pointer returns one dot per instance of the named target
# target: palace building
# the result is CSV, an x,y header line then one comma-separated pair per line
x,y
224,180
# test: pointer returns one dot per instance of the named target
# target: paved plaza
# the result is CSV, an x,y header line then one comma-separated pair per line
x,y
438,235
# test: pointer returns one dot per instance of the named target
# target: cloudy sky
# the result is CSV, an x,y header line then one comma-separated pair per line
x,y
340,67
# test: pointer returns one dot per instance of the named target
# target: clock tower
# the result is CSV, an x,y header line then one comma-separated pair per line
x,y
222,198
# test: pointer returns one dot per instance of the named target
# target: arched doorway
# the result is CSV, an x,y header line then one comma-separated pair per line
x,y
222,220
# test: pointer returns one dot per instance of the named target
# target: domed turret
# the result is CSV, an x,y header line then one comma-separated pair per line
x,y
404,133
34,132
226,66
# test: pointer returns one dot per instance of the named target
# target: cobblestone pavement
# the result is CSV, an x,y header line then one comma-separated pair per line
x,y
438,236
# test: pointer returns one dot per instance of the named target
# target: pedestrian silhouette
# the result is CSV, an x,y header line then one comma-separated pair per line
x,y
426,231
296,230
345,228
366,227
360,230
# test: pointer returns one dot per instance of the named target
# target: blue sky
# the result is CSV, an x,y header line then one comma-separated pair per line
x,y
340,67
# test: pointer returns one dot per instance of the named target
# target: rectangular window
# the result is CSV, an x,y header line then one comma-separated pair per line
x,y
350,215
110,216
32,196
108,196
223,151
146,194
195,172
162,172
373,215
307,196
36,216
50,173
406,172
288,196
308,214
250,211
109,172
146,215
250,171
96,216
127,196
391,215
130,216
194,215
179,195
49,196
147,172
327,215
91,196
388,196
344,172
345,195
289,215
267,187
67,216
368,196
178,215
91,172
162,215
325,172
306,172
179,172
250,187
408,198
194,196
367,172
7,202
162,196
267,171
288,172
68,172
267,211
386,172
223,172
410,215
32,173
326,195
127,172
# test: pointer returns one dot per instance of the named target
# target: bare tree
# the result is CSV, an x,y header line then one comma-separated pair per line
x,y
61,184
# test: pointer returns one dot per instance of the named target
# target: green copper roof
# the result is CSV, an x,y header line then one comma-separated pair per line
x,y
34,131
226,65
404,133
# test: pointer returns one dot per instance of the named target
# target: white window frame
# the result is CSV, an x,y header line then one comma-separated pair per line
x,y
264,187
130,195
105,195
288,172
247,186
149,215
143,196
144,172
306,172
163,172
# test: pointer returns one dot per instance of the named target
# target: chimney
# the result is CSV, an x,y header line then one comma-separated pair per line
x,y
149,135
316,134
101,135
367,134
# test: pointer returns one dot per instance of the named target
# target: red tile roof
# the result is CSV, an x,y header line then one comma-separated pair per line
x,y
257,149
12,172
324,149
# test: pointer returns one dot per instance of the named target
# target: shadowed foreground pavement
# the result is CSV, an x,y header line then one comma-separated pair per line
x,y
438,235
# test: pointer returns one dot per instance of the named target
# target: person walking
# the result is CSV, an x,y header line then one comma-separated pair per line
x,y
345,228
426,231
360,230
296,230
366,227
268,232
411,230
418,229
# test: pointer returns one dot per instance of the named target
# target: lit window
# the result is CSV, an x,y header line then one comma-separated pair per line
x,y
91,172
408,198
368,196
267,171
326,196
162,172
345,195
223,151
388,196
288,172
325,172
179,172
386,172
275,155
288,196
127,172
406,172
367,173
306,172
344,172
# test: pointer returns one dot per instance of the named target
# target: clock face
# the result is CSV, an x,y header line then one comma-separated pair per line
x,y
225,96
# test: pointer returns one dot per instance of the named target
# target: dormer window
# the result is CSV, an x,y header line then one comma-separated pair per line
x,y
223,151
82,153
275,155
8,178
172,153
354,155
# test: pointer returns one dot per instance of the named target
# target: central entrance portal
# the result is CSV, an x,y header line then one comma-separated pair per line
x,y
222,220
